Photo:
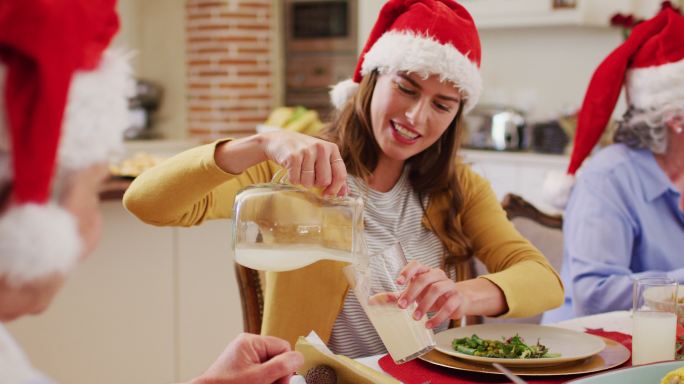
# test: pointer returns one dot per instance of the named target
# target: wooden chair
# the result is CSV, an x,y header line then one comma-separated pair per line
x,y
543,230
251,298
516,206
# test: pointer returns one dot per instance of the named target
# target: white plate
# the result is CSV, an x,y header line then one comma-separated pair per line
x,y
572,345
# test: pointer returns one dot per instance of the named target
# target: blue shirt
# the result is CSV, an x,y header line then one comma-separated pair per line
x,y
622,222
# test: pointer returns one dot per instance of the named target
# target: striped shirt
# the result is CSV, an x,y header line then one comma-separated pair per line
x,y
389,217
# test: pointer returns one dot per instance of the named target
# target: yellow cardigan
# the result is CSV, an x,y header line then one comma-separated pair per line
x,y
190,188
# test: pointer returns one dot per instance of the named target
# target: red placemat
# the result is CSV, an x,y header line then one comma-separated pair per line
x,y
418,371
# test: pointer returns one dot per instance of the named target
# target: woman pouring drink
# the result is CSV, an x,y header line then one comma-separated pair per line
x,y
395,143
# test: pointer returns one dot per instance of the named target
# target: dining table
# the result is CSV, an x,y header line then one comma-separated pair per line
x,y
617,321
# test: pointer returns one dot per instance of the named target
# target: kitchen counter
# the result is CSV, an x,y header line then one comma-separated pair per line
x,y
114,187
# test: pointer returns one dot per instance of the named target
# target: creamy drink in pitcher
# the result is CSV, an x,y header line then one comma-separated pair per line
x,y
286,257
653,337
404,337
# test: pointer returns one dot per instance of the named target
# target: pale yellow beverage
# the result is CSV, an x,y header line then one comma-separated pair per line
x,y
286,257
653,336
404,337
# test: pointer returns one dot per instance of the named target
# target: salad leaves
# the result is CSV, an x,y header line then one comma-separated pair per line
x,y
511,348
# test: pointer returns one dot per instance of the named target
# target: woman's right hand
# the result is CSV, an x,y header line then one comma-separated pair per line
x,y
309,161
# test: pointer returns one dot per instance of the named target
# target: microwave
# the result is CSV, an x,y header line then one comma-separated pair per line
x,y
320,25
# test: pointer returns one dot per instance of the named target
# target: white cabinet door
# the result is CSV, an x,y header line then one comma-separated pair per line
x,y
209,310
540,13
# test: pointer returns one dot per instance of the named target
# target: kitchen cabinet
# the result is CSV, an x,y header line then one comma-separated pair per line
x,y
539,13
491,14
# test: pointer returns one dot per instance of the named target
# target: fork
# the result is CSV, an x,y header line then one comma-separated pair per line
x,y
514,378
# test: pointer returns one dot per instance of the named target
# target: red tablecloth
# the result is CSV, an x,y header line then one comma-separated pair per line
x,y
418,371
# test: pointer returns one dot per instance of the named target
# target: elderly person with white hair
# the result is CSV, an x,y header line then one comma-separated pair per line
x,y
625,216
63,109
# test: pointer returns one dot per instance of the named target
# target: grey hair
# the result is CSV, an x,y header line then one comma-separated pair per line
x,y
647,128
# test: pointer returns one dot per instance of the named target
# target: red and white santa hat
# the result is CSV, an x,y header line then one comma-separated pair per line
x,y
425,37
650,64
64,107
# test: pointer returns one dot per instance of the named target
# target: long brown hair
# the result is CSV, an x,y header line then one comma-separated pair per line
x,y
431,172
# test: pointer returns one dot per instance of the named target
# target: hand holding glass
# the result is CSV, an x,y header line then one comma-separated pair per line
x,y
376,288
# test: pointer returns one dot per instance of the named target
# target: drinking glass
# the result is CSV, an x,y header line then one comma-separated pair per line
x,y
375,286
654,320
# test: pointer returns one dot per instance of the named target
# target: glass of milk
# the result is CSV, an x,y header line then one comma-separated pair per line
x,y
376,288
654,319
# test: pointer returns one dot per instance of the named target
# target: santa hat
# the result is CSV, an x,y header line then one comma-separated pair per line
x,y
650,63
422,36
64,107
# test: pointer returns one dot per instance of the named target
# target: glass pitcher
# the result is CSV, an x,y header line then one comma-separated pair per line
x,y
280,227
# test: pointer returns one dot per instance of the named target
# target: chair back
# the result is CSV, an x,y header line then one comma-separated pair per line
x,y
251,297
543,230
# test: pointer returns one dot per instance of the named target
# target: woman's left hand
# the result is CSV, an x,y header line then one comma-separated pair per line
x,y
433,291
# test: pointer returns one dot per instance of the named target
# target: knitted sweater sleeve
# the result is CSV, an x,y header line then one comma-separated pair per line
x,y
189,188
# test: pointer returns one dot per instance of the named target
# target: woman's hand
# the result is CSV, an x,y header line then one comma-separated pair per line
x,y
309,161
253,359
433,291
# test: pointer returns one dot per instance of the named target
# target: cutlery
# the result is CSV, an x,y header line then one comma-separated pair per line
x,y
514,378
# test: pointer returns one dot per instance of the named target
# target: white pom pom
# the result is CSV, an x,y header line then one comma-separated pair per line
x,y
36,240
342,91
557,187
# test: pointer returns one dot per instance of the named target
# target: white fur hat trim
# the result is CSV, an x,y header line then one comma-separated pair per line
x,y
557,188
36,240
411,52
96,113
655,86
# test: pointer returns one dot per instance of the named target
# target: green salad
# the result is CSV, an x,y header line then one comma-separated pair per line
x,y
511,348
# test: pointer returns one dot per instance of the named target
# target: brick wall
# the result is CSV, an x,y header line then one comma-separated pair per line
x,y
230,81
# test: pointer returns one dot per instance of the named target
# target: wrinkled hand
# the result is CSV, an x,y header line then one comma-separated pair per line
x,y
433,291
253,359
309,161
29,298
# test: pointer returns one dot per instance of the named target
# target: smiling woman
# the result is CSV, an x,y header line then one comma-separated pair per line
x,y
397,134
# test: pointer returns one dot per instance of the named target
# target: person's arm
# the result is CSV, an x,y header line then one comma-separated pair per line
x,y
509,290
520,271
189,188
201,183
434,291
